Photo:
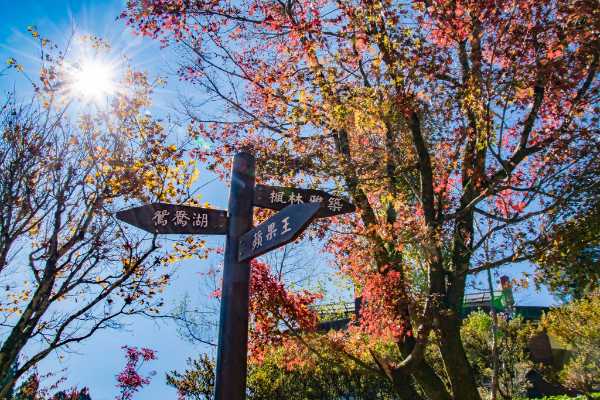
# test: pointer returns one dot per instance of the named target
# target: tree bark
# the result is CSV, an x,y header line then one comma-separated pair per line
x,y
426,377
403,386
456,363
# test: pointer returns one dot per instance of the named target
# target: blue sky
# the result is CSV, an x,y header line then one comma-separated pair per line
x,y
101,357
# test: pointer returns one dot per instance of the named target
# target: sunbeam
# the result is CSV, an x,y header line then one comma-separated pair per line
x,y
93,80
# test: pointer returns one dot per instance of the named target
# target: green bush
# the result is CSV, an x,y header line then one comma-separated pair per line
x,y
565,397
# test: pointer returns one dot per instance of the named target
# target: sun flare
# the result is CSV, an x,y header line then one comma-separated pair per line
x,y
93,80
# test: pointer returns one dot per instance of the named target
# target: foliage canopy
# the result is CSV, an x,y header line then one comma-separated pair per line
x,y
463,131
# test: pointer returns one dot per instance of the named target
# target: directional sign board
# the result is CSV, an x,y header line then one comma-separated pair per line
x,y
171,218
278,230
277,198
299,207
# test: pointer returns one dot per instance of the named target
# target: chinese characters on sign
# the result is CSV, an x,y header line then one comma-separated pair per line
x,y
277,198
315,199
200,220
334,203
271,233
171,218
159,217
181,218
257,242
294,198
278,230
286,223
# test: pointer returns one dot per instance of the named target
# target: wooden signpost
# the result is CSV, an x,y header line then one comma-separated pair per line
x,y
243,242
170,218
282,228
277,198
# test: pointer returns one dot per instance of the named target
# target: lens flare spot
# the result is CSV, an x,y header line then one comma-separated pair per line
x,y
93,80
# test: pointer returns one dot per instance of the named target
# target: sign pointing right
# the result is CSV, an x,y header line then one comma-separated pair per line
x,y
278,230
277,198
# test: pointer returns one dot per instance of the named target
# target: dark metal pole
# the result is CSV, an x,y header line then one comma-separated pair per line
x,y
232,349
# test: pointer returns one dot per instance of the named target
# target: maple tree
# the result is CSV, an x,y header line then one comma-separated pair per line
x,y
197,318
67,164
463,132
130,381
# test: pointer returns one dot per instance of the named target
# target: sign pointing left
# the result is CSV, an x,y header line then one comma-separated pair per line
x,y
171,218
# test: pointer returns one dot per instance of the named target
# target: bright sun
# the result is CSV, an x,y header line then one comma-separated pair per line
x,y
93,80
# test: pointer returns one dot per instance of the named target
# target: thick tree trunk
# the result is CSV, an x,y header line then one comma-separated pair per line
x,y
402,383
430,382
455,359
403,386
453,353
426,377
456,363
